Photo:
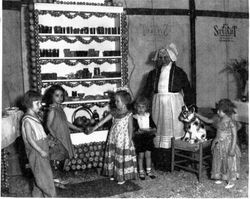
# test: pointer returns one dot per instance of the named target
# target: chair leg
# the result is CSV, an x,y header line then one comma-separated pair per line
x,y
200,162
172,154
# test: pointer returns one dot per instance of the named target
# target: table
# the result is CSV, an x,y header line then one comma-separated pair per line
x,y
11,128
241,112
10,132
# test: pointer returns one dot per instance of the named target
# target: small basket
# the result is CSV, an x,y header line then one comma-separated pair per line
x,y
82,108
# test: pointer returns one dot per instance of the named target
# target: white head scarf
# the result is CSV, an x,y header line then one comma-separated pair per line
x,y
170,50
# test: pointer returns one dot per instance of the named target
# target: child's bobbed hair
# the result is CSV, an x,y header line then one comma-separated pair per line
x,y
125,97
48,95
30,97
227,106
142,100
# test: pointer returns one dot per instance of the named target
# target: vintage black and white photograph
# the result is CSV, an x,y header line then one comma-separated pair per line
x,y
124,98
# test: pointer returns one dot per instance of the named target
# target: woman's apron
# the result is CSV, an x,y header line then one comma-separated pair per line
x,y
166,109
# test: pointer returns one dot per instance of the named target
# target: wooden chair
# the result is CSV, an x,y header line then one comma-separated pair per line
x,y
194,154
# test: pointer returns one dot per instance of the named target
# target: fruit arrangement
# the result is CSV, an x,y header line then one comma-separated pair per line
x,y
4,168
87,156
84,122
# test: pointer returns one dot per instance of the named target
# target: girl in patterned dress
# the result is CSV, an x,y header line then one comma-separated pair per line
x,y
120,157
226,152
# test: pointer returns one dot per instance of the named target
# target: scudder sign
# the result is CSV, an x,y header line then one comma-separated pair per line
x,y
225,32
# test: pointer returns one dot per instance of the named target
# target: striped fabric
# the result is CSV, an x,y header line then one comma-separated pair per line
x,y
120,157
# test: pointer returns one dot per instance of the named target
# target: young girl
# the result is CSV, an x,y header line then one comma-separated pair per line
x,y
36,146
145,129
226,153
59,127
120,157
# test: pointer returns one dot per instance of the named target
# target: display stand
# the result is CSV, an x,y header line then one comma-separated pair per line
x,y
84,49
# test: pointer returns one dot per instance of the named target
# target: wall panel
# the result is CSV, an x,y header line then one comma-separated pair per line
x,y
12,79
213,54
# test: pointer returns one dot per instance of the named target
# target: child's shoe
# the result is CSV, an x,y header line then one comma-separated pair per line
x,y
142,175
120,183
112,179
229,185
150,174
59,185
218,182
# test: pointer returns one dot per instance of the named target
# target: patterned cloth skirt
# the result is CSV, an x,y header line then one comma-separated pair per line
x,y
120,163
225,167
166,109
120,157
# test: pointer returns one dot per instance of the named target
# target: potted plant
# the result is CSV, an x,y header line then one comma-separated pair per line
x,y
239,69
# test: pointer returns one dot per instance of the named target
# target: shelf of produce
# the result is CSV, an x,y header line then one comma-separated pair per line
x,y
81,80
82,138
79,35
76,58
86,101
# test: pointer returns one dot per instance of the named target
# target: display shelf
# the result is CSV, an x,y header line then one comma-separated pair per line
x,y
86,101
77,58
79,35
81,80
44,15
77,8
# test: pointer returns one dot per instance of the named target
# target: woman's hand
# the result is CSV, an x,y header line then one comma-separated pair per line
x,y
140,131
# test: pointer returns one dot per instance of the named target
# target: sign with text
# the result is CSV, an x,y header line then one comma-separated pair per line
x,y
225,33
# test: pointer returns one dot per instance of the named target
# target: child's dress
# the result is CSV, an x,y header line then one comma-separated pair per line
x,y
144,141
225,167
63,148
44,184
120,157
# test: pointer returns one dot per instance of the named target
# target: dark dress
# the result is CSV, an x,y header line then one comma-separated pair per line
x,y
178,81
144,141
63,148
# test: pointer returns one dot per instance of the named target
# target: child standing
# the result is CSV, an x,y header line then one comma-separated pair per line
x,y
59,127
145,129
226,153
36,146
120,157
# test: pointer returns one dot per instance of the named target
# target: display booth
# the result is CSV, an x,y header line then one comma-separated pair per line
x,y
83,48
